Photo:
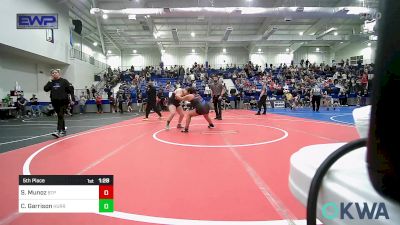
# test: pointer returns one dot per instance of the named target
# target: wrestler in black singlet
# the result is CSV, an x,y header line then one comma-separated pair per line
x,y
199,105
173,101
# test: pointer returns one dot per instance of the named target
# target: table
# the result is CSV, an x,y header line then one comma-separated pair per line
x,y
6,111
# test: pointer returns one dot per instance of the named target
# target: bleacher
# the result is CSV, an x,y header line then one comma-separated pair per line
x,y
252,85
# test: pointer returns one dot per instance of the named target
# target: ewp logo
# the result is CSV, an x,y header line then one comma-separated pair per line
x,y
37,21
332,211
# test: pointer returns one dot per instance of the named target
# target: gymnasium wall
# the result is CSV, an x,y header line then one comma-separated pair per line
x,y
143,57
31,75
357,49
270,55
233,55
310,53
26,56
114,60
87,47
32,40
183,56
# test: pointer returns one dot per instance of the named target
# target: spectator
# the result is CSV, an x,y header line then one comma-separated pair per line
x,y
364,97
207,91
35,109
94,92
113,108
237,98
342,98
49,110
253,102
87,92
8,101
20,104
121,99
99,104
82,103
129,103
140,102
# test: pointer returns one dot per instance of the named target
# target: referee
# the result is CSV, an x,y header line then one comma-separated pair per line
x,y
262,101
217,91
60,93
152,101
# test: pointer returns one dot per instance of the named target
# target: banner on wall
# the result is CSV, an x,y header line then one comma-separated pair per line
x,y
279,104
37,21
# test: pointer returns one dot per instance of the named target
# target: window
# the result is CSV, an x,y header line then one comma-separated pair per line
x,y
354,59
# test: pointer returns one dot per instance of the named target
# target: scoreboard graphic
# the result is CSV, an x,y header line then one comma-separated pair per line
x,y
66,194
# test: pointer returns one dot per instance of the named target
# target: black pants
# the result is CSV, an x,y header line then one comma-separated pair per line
x,y
262,103
315,100
343,101
99,108
237,102
152,106
217,106
60,106
120,105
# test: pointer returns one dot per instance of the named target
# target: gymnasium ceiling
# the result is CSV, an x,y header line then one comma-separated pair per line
x,y
251,31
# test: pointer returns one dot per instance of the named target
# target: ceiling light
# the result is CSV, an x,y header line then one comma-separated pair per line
x,y
109,52
193,50
259,50
336,33
269,32
134,51
248,10
317,49
356,10
320,36
192,34
175,35
228,32
341,42
369,44
224,50
132,17
301,33
95,43
105,16
287,50
94,10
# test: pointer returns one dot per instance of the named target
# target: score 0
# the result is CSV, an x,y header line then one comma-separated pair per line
x,y
106,201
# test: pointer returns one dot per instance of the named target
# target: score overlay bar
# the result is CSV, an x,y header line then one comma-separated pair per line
x,y
66,194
